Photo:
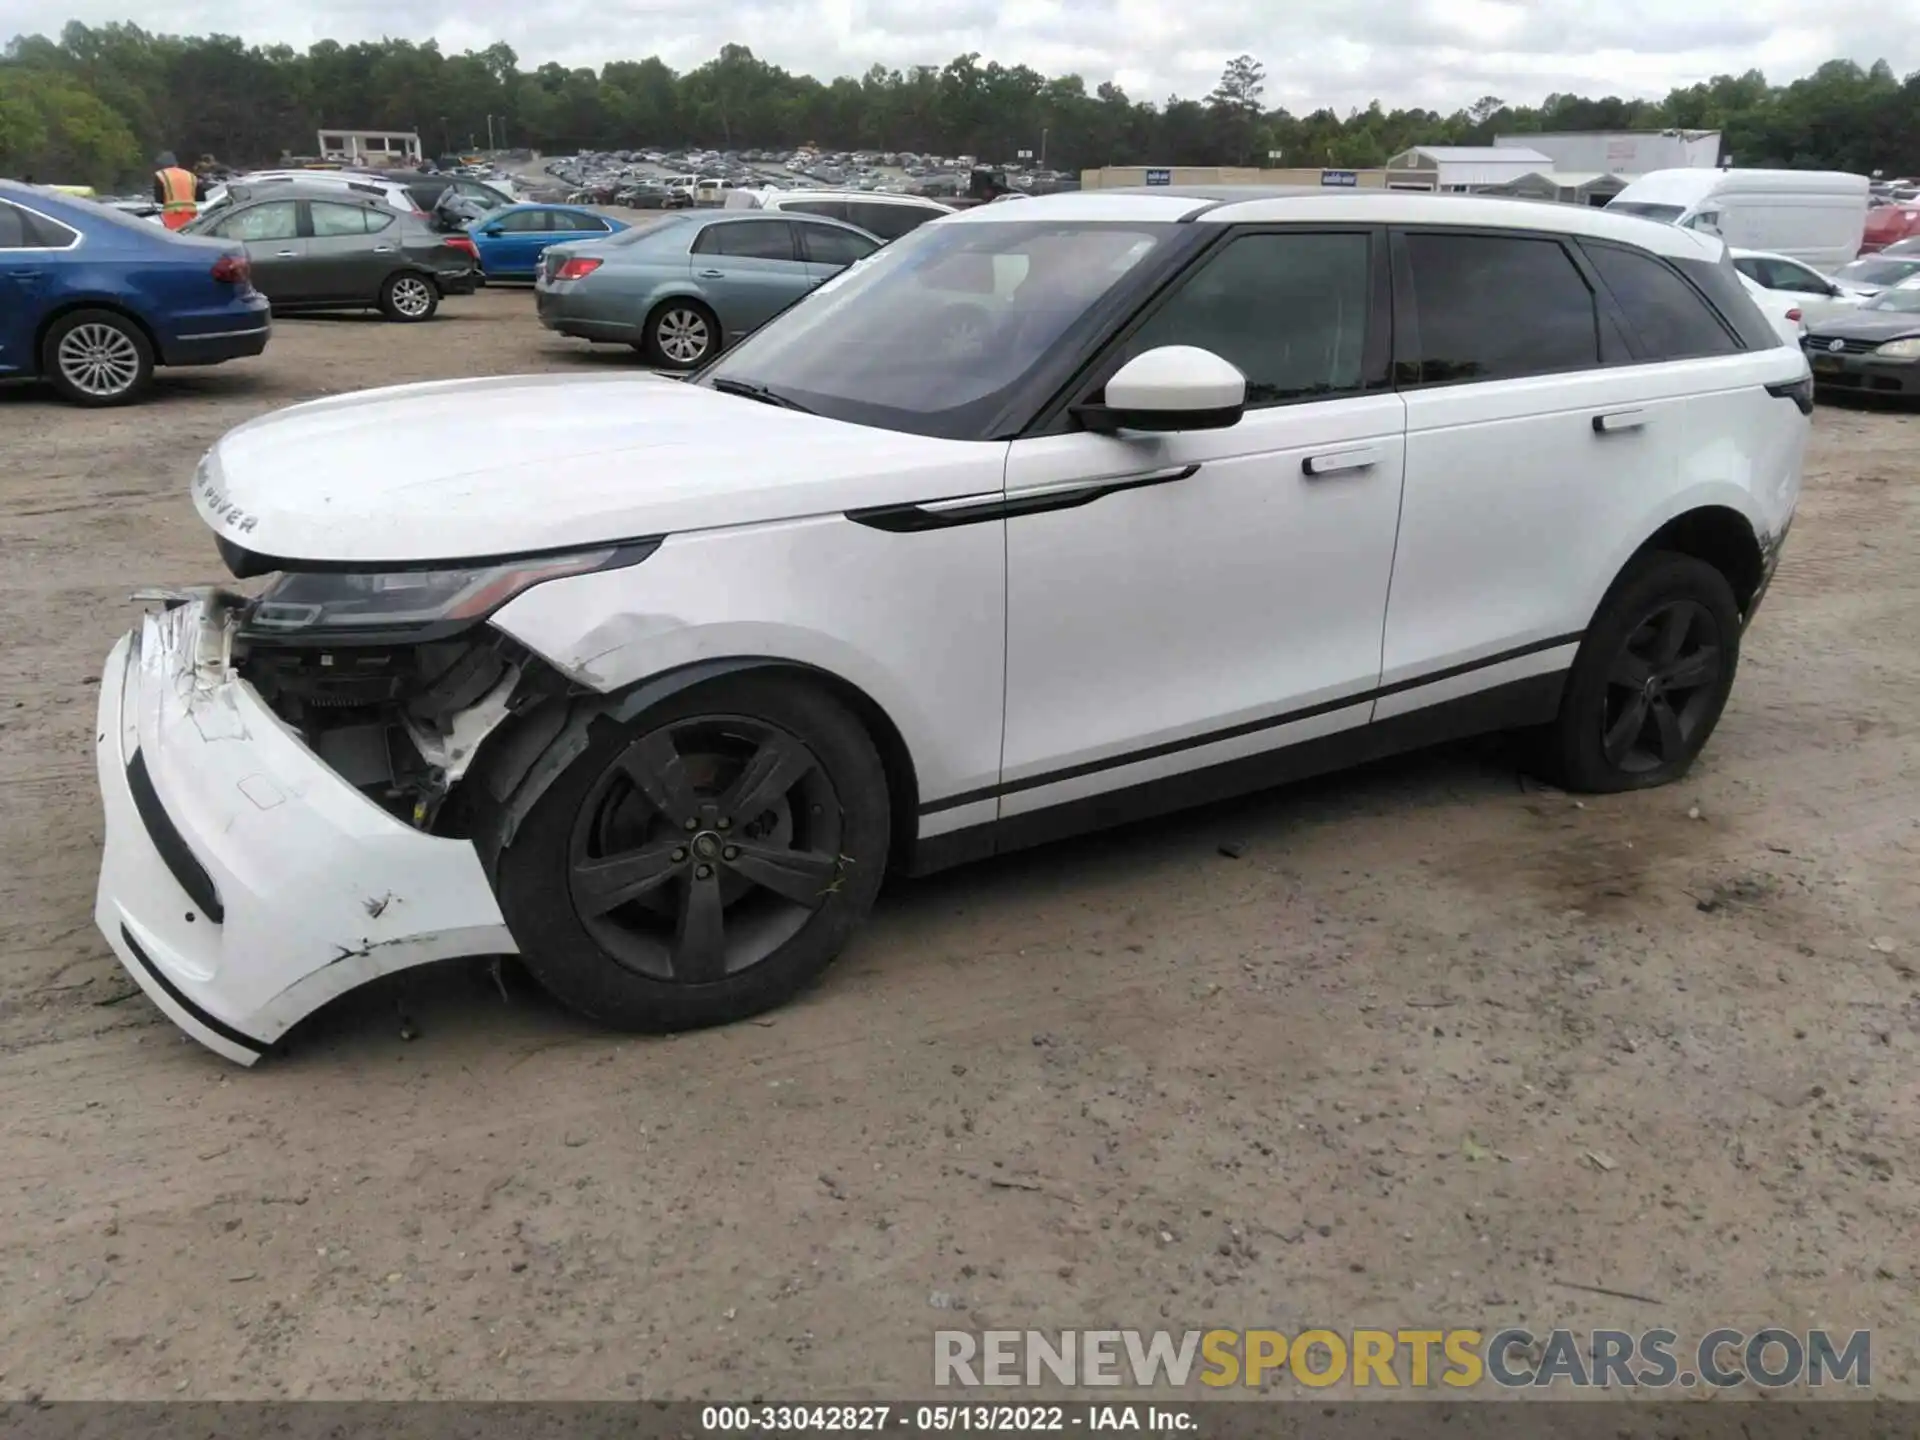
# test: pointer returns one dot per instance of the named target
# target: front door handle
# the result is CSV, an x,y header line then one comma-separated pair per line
x,y
285,254
383,249
713,274
1617,420
1338,461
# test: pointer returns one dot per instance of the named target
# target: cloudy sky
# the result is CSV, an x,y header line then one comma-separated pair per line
x,y
1438,53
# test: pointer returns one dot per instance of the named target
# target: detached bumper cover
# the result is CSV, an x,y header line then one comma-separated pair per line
x,y
243,883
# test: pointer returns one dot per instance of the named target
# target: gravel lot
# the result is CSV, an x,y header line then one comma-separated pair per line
x,y
1440,1046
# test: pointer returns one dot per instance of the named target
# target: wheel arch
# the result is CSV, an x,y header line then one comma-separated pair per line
x,y
116,307
520,762
1722,537
1719,535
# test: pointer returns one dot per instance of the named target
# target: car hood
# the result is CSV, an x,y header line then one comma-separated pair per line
x,y
510,465
1866,325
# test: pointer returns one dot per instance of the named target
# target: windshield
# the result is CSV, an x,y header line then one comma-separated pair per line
x,y
1878,272
1666,214
1903,299
935,333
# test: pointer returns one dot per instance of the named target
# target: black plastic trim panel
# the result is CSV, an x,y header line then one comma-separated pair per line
x,y
1515,704
1246,727
911,519
174,993
180,861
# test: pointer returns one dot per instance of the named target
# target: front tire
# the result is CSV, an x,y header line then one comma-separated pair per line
x,y
409,298
681,335
97,358
1651,678
703,862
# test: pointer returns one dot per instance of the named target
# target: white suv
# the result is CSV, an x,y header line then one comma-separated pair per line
x,y
1048,516
886,217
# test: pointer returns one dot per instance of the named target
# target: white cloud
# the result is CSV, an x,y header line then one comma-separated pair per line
x,y
1341,53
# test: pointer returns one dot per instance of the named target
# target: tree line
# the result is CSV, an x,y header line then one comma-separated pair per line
x,y
93,107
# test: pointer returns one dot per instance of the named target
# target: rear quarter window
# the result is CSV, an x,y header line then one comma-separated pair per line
x,y
1720,283
1670,318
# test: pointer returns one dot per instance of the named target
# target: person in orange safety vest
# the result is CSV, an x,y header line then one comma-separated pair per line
x,y
174,190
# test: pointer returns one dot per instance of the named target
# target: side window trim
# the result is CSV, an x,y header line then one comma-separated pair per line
x,y
1641,351
302,220
1374,373
1407,350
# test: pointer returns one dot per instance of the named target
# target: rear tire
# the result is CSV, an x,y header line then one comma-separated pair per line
x,y
408,298
703,862
97,358
1651,679
681,335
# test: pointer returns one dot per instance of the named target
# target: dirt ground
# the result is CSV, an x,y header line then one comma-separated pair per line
x,y
1438,1047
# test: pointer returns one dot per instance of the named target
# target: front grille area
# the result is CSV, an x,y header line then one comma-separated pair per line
x,y
1823,345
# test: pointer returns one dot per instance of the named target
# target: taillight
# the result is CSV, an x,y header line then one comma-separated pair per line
x,y
576,267
462,244
232,270
1794,315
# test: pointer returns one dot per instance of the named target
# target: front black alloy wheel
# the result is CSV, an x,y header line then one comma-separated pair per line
x,y
703,862
1651,678
704,847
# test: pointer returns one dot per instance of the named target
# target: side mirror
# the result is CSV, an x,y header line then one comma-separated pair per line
x,y
1171,388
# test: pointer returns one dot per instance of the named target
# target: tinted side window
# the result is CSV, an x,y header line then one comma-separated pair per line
x,y
578,220
749,240
830,245
329,219
889,222
1289,310
274,220
50,233
1669,316
522,222
832,209
1492,307
13,229
1720,283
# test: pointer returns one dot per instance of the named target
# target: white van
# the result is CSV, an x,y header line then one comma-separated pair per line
x,y
1814,216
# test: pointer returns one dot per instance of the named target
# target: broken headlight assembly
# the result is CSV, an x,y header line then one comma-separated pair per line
x,y
392,677
411,606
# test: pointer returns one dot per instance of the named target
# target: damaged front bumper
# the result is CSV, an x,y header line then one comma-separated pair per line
x,y
244,883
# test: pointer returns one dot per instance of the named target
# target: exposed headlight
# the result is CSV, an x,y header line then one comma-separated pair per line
x,y
340,605
1901,349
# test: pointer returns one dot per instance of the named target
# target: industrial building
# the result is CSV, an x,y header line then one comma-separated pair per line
x,y
1109,177
1457,169
1620,152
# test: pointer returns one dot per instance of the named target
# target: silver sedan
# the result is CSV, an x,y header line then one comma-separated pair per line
x,y
683,286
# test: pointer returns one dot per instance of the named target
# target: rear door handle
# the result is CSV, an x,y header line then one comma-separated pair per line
x,y
383,249
1337,461
713,274
284,254
1616,420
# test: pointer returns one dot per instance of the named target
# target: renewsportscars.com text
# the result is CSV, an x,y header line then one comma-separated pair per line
x,y
1455,1360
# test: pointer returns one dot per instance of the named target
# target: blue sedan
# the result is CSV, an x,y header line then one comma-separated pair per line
x,y
512,239
92,299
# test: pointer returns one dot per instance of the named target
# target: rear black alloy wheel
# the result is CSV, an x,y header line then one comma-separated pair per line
x,y
703,862
1651,679
1660,688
